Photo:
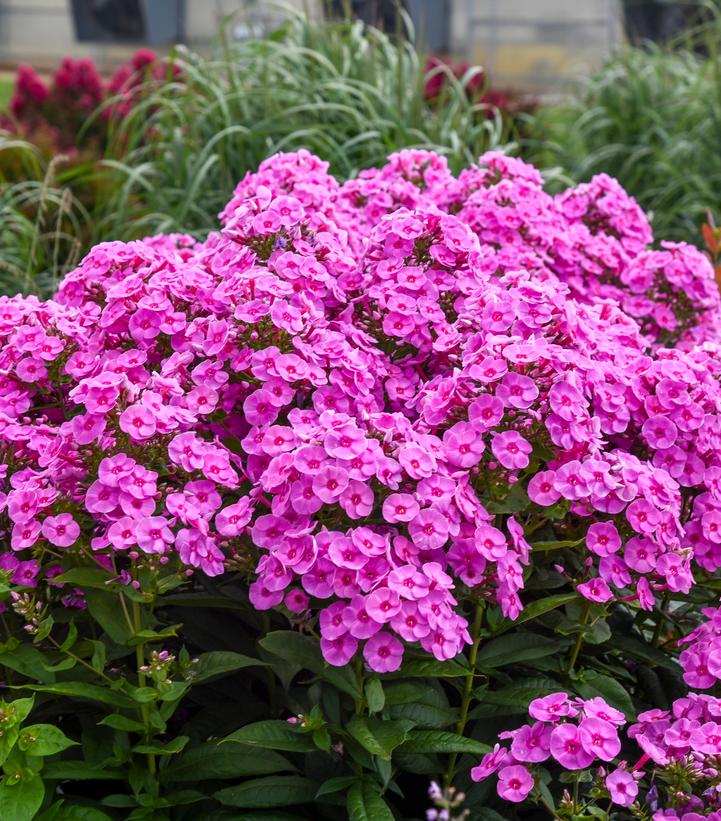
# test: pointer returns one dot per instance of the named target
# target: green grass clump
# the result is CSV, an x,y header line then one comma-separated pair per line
x,y
651,117
43,225
348,93
6,92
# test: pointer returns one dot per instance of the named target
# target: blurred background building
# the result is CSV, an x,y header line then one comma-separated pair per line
x,y
538,45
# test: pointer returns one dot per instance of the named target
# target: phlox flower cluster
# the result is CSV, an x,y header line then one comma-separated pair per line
x,y
701,656
341,389
681,746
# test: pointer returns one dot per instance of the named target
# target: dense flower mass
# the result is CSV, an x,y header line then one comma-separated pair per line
x,y
371,395
680,747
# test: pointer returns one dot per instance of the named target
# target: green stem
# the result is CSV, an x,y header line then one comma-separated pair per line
x,y
579,641
144,708
575,796
661,619
77,659
360,701
467,691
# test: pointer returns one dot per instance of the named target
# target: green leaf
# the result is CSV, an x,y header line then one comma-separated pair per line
x,y
273,791
44,739
364,803
7,742
83,691
405,692
28,661
106,610
60,811
435,741
80,771
211,760
21,708
274,735
536,609
146,636
379,736
597,684
97,662
430,668
171,748
220,663
305,652
514,699
86,577
374,695
515,501
21,801
336,784
118,722
514,649
630,646
544,547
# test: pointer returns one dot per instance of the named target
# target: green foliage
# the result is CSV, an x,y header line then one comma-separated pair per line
x,y
651,118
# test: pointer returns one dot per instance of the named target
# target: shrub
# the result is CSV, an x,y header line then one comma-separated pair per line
x,y
353,484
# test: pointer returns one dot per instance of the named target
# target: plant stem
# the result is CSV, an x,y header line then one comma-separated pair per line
x,y
144,712
579,641
79,660
467,691
360,701
661,619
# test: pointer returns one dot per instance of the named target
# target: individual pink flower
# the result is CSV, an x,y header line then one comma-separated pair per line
x,y
357,500
417,461
329,483
490,542
231,520
514,783
113,468
599,738
490,763
660,432
541,488
568,749
595,590
532,742
340,650
463,445
24,534
550,707
139,422
345,442
511,450
622,786
61,530
429,529
121,533
87,427
400,507
485,412
383,653
517,391
153,534
602,538
383,604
